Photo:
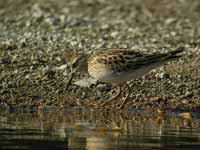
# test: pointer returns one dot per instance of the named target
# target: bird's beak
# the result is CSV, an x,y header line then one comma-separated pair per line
x,y
70,80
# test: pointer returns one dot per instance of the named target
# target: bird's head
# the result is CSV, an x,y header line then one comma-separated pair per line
x,y
79,63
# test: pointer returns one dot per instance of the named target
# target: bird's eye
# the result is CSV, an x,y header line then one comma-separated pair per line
x,y
73,65
76,62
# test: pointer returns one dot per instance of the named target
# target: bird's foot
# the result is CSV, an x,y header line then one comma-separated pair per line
x,y
123,103
101,105
120,107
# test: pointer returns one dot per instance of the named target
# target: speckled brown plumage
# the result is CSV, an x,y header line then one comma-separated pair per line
x,y
117,66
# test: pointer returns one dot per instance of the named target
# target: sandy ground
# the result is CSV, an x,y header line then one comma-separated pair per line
x,y
38,37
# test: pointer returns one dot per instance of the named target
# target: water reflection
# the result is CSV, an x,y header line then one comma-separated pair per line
x,y
98,130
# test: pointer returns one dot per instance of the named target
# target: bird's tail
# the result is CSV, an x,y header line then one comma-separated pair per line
x,y
163,57
173,54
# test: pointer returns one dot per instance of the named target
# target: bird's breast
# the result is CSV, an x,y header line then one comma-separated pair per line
x,y
100,72
105,74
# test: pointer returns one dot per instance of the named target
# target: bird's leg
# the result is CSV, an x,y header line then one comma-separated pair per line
x,y
127,96
113,98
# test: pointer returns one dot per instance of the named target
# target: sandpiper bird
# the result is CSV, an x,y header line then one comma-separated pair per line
x,y
117,66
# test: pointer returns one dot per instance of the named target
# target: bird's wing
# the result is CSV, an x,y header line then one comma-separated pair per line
x,y
121,60
124,60
145,60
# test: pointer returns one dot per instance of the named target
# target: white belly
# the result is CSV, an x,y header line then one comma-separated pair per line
x,y
109,76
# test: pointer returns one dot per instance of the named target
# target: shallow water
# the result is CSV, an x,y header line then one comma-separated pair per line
x,y
99,130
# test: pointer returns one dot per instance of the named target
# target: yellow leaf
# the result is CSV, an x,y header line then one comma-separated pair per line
x,y
185,115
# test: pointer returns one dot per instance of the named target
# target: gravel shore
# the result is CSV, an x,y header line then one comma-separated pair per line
x,y
39,37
